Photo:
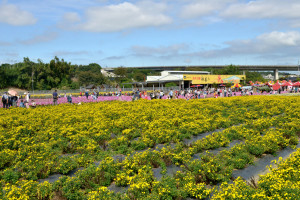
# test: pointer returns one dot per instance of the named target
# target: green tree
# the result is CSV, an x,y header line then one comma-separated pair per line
x,y
3,78
87,78
93,67
121,71
44,76
229,70
171,84
25,70
254,76
139,76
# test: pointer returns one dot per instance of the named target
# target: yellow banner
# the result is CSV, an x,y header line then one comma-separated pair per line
x,y
211,79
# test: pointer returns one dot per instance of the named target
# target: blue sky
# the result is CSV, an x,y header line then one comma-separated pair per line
x,y
148,33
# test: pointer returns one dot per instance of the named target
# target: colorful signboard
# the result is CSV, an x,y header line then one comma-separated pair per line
x,y
211,79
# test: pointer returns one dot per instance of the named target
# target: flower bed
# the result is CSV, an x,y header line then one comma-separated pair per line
x,y
38,143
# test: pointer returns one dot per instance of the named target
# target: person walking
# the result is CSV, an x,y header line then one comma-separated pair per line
x,y
87,94
136,95
171,94
215,94
55,97
26,102
22,104
225,92
70,98
161,94
204,94
10,102
33,104
14,100
5,100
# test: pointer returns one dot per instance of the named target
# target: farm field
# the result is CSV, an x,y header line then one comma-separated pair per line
x,y
159,149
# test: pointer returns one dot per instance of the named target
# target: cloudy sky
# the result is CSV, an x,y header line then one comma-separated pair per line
x,y
149,33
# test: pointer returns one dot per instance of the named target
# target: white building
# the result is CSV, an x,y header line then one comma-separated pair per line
x,y
108,74
269,77
172,76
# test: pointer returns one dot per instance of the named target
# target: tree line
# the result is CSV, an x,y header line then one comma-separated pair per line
x,y
61,74
45,76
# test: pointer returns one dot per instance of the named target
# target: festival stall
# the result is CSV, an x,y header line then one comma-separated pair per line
x,y
297,84
276,86
236,86
287,84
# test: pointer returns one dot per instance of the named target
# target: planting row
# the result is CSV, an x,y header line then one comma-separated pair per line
x,y
59,139
281,183
196,177
137,171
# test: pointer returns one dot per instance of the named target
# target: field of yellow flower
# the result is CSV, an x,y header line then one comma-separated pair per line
x,y
132,146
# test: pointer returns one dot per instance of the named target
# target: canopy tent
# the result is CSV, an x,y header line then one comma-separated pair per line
x,y
247,87
236,85
297,84
270,83
257,82
287,84
276,86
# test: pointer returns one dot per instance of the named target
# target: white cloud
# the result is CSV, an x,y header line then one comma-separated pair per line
x,y
67,53
281,44
202,8
280,38
46,37
287,11
121,17
71,17
13,15
114,58
276,45
12,54
2,43
264,9
162,50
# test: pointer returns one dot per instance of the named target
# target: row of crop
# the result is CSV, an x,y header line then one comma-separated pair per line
x,y
237,157
33,141
167,128
214,169
168,156
210,169
283,182
45,160
136,171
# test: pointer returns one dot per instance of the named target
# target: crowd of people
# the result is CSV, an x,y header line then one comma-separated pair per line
x,y
207,92
190,93
9,100
25,101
